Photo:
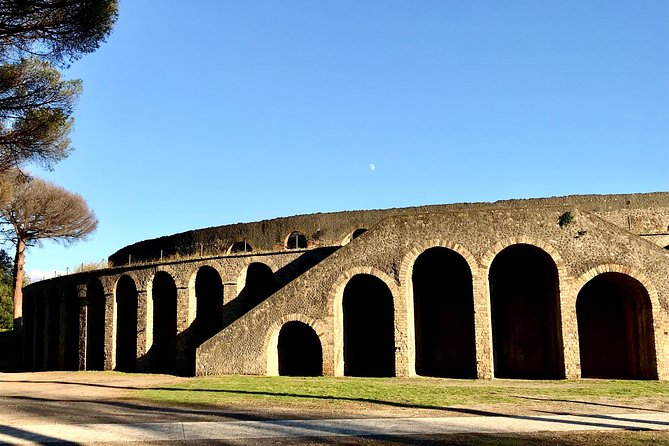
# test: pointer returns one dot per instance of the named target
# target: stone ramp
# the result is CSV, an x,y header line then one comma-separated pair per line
x,y
327,428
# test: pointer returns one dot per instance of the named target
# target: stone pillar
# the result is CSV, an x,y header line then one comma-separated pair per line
x,y
482,325
43,360
144,329
185,352
402,344
63,330
33,332
47,329
83,325
229,291
570,347
110,331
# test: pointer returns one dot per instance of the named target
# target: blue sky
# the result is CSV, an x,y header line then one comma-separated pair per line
x,y
206,113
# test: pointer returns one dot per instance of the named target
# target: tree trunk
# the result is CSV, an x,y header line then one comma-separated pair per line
x,y
17,283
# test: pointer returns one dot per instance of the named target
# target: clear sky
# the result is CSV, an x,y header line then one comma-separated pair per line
x,y
211,112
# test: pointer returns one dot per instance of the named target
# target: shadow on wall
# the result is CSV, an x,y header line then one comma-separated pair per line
x,y
9,353
175,354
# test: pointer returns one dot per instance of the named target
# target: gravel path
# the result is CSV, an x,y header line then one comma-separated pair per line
x,y
86,407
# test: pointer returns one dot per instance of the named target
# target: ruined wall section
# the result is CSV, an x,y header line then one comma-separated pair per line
x,y
231,268
639,213
586,247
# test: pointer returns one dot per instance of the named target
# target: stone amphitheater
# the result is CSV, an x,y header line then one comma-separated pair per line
x,y
550,288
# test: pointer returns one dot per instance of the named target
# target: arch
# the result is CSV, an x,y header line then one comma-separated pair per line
x,y
53,329
524,305
299,350
72,310
368,327
29,330
615,328
241,246
443,303
164,298
208,289
296,240
95,325
126,324
255,284
40,325
271,342
353,235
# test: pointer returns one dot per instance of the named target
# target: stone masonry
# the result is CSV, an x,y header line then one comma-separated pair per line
x,y
544,288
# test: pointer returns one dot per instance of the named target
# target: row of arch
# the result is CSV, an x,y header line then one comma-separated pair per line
x,y
77,325
294,240
613,311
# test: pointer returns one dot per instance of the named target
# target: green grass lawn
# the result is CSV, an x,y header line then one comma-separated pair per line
x,y
395,392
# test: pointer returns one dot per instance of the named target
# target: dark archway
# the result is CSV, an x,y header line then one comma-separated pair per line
x,y
525,314
40,325
164,348
242,246
209,302
208,289
369,327
71,347
296,240
299,349
615,328
95,325
126,324
29,331
358,232
444,315
53,329
258,286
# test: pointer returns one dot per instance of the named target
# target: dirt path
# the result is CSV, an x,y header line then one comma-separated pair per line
x,y
95,397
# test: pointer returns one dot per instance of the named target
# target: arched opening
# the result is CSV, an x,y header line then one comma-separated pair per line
x,y
209,302
296,240
53,330
29,331
71,350
38,353
369,333
299,349
353,235
259,284
208,289
126,324
95,325
357,233
164,298
525,314
444,315
615,328
242,246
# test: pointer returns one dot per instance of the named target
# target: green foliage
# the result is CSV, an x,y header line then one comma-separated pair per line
x,y
565,219
59,31
35,103
6,305
35,109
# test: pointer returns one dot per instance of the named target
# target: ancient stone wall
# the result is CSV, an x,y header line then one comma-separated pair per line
x,y
639,213
526,284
